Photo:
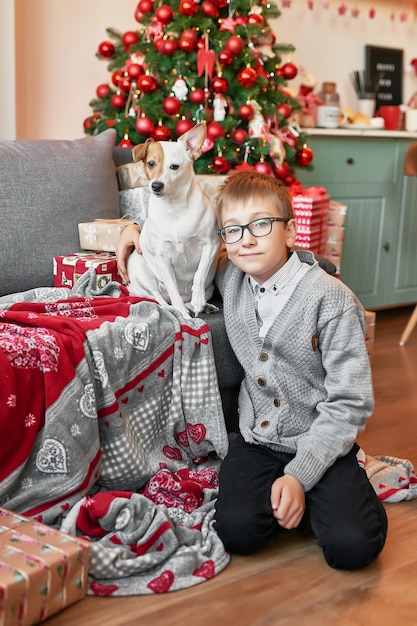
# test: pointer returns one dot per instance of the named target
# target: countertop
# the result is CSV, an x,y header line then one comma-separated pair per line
x,y
356,132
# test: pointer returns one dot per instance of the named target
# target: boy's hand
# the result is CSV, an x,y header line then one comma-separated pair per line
x,y
287,501
129,240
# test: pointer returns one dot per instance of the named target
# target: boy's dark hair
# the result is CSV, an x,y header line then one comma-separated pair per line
x,y
246,184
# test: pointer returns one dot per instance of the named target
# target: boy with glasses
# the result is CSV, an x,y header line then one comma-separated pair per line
x,y
299,335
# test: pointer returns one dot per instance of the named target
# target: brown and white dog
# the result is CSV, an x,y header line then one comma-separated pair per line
x,y
178,240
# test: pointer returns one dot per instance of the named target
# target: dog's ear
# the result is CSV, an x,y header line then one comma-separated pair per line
x,y
139,151
194,139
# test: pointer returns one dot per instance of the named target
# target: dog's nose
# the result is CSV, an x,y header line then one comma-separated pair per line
x,y
157,186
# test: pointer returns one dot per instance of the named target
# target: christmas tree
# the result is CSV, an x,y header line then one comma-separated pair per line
x,y
218,62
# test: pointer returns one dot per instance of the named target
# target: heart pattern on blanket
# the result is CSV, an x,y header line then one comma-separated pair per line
x,y
197,432
206,570
182,438
52,458
99,589
162,583
172,453
137,335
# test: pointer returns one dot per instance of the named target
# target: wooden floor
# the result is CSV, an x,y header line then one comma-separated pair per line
x,y
289,584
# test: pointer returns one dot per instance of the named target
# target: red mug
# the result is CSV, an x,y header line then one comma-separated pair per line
x,y
391,116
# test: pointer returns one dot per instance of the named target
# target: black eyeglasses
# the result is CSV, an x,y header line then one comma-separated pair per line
x,y
258,228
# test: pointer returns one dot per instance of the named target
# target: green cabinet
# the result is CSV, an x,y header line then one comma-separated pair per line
x,y
379,261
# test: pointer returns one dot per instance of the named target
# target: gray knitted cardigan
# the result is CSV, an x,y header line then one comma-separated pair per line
x,y
308,386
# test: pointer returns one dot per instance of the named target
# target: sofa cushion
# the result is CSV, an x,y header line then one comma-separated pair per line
x,y
46,188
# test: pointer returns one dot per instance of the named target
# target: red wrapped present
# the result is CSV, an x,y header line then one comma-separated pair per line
x,y
41,570
311,209
67,269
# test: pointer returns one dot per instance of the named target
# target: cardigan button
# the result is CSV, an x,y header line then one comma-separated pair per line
x,y
264,424
262,382
277,402
263,356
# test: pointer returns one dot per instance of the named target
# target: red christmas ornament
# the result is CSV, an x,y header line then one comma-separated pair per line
x,y
171,105
161,133
191,34
129,38
284,109
241,20
91,121
168,47
102,91
135,70
239,135
138,15
164,14
289,180
188,40
182,127
197,96
263,168
225,57
235,45
106,49
215,130
247,77
219,85
288,71
221,165
209,9
144,126
304,156
246,111
125,84
145,6
118,101
186,45
116,77
147,83
188,7
126,143
282,170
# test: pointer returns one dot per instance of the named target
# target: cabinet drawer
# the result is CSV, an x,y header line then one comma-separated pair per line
x,y
350,160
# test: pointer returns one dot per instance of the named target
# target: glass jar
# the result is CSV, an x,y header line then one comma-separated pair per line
x,y
328,113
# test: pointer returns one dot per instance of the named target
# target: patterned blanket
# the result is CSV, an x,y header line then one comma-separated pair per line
x,y
100,394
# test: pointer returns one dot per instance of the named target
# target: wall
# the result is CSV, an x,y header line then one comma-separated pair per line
x,y
7,70
56,41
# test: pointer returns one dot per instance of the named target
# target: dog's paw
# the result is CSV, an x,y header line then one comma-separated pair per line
x,y
206,308
210,308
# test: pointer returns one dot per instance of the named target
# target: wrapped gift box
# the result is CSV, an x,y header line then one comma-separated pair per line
x,y
68,269
101,235
41,570
131,175
311,209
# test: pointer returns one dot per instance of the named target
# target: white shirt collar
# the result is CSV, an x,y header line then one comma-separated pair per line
x,y
277,281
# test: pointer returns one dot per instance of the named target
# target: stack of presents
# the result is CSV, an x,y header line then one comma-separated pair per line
x,y
320,221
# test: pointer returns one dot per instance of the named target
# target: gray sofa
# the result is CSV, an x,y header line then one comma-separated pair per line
x,y
46,188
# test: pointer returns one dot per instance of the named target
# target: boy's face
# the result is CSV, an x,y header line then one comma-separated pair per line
x,y
260,257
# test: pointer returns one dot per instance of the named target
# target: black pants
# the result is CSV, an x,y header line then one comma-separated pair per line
x,y
348,520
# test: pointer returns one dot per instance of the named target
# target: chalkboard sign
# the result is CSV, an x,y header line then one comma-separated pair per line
x,y
384,68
